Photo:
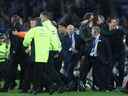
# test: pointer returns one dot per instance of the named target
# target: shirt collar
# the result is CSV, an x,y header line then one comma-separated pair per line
x,y
97,37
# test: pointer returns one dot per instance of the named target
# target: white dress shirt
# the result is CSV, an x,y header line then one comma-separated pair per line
x,y
94,49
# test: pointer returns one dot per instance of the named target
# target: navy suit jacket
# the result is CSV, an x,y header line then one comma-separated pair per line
x,y
67,43
104,53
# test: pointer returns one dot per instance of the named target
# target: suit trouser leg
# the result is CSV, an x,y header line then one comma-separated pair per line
x,y
3,71
55,61
57,65
54,76
110,79
85,67
120,67
39,72
44,75
99,74
72,64
67,60
102,75
27,76
119,62
22,72
11,73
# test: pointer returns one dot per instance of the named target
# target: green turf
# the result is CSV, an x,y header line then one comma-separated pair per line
x,y
86,93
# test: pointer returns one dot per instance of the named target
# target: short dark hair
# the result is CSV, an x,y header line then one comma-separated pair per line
x,y
47,13
63,24
38,21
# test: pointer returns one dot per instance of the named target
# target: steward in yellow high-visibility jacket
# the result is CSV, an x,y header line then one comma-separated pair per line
x,y
4,57
55,44
4,49
39,39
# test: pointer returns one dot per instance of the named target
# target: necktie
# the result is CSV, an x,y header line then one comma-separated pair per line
x,y
94,43
93,47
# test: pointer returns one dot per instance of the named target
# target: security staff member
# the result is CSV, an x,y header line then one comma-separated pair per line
x,y
4,57
55,44
39,39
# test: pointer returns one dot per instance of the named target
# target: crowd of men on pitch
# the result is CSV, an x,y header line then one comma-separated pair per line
x,y
45,55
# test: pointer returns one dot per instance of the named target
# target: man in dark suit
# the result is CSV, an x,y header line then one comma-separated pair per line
x,y
116,40
70,51
99,55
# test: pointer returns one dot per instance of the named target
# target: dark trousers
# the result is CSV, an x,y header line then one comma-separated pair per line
x,y
102,74
70,61
39,75
119,62
67,60
3,70
45,75
85,68
11,74
28,75
55,64
12,71
55,61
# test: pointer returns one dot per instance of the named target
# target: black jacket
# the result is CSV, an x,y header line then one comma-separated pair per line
x,y
104,53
